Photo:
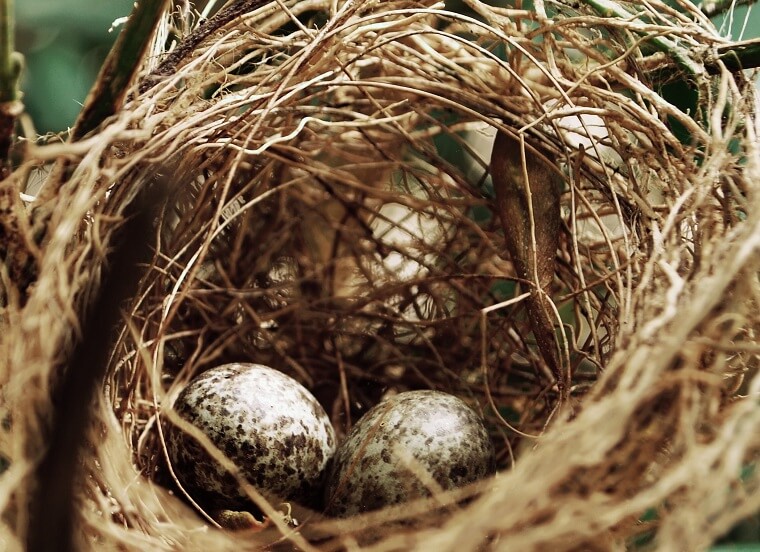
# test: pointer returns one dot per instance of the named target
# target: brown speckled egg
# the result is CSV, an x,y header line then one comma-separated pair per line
x,y
266,422
439,431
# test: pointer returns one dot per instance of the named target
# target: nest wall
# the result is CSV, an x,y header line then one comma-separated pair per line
x,y
330,213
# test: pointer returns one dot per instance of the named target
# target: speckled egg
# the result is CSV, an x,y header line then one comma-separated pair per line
x,y
439,431
266,422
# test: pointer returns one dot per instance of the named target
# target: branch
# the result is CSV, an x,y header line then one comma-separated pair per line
x,y
738,56
107,94
717,7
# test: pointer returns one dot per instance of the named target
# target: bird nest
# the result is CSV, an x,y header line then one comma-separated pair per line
x,y
319,175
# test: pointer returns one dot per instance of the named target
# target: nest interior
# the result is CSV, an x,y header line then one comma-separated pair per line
x,y
331,213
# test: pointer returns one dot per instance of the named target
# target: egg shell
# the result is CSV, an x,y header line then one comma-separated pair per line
x,y
439,431
266,422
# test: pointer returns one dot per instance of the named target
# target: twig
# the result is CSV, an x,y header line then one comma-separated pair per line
x,y
717,7
735,57
738,56
121,65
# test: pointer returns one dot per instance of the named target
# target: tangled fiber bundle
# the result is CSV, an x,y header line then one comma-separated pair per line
x,y
324,205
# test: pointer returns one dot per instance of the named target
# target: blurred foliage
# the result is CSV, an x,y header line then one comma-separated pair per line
x,y
64,43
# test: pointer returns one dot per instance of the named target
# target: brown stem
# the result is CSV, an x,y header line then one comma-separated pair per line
x,y
188,44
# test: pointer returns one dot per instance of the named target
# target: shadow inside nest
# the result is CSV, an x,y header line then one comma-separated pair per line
x,y
359,276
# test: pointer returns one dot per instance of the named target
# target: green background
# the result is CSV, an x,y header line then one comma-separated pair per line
x,y
64,43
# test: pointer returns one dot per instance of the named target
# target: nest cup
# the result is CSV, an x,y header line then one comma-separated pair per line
x,y
331,214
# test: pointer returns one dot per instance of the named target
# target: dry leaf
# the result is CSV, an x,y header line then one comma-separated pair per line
x,y
530,215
